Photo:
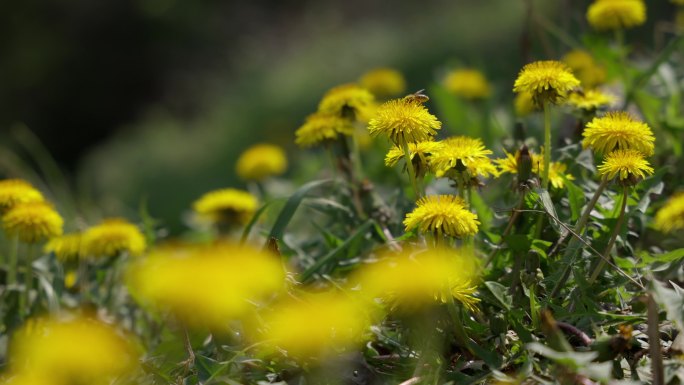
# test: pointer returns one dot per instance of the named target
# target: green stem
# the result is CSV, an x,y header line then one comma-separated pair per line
x,y
613,238
411,171
13,261
25,303
547,146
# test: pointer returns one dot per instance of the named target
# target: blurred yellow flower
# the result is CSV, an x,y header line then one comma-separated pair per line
x,y
112,237
461,153
618,130
442,214
468,84
206,285
383,82
419,153
13,191
71,351
226,206
626,164
547,81
404,121
32,222
317,325
557,173
616,14
418,277
349,101
65,247
261,161
670,217
321,128
590,100
582,64
523,104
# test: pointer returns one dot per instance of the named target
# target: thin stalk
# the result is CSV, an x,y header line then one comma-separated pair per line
x,y
13,260
613,238
411,171
657,368
547,146
25,303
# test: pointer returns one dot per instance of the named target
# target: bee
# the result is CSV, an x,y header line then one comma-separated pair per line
x,y
417,96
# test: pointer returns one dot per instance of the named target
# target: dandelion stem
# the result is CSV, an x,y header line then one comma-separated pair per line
x,y
410,170
25,301
13,261
613,238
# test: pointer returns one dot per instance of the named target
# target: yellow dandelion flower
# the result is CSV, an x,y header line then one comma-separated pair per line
x,y
616,14
226,206
261,161
321,128
206,285
442,214
460,153
73,351
628,164
508,164
112,237
66,247
419,153
547,81
383,82
590,100
349,101
468,83
558,174
404,121
618,130
523,104
316,325
678,2
32,222
418,277
13,191
583,66
670,217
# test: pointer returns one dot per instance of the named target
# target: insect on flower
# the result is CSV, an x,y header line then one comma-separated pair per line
x,y
417,96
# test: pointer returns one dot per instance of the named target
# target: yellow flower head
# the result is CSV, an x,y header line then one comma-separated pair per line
x,y
589,73
226,206
404,121
73,351
442,214
261,161
628,165
616,14
13,191
419,277
33,222
618,130
557,174
316,325
468,83
419,153
384,82
66,247
320,128
461,153
547,81
590,100
112,237
670,217
523,104
348,101
206,285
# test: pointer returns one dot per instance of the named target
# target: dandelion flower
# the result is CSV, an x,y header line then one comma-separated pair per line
x,y
66,247
547,81
112,237
590,100
419,154
468,83
628,165
616,14
383,82
418,277
587,71
226,206
404,121
261,161
73,351
206,285
322,128
13,191
442,214
618,130
670,217
462,152
523,104
349,101
558,174
316,325
33,222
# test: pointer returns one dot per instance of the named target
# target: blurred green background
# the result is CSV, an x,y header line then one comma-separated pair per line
x,y
155,99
